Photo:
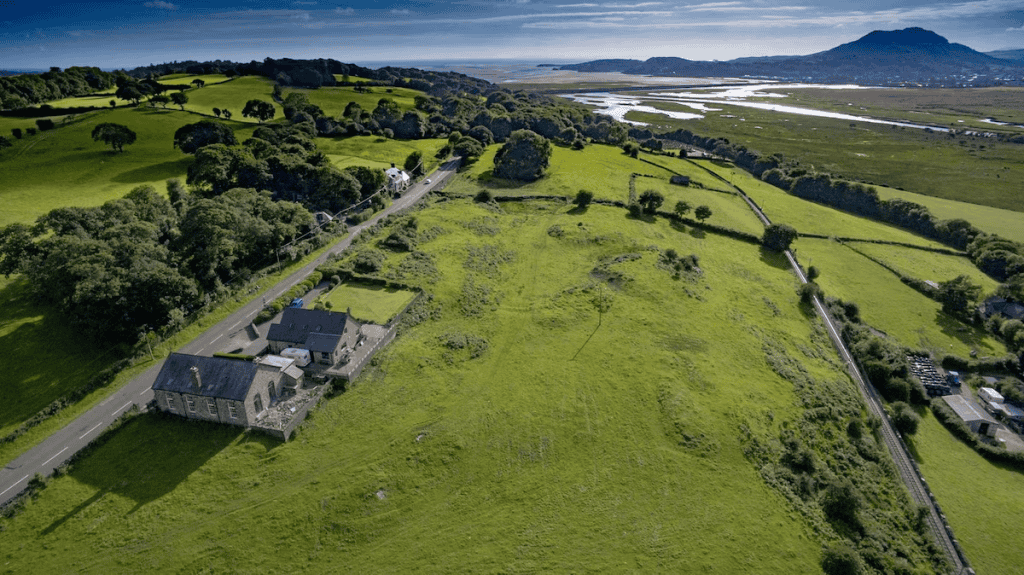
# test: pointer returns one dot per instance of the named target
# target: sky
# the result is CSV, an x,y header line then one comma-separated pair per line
x,y
40,34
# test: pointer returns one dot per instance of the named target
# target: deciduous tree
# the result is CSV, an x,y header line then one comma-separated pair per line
x,y
525,156
116,135
180,99
259,109
702,213
191,137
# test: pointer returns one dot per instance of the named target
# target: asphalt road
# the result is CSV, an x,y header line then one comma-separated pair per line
x,y
59,447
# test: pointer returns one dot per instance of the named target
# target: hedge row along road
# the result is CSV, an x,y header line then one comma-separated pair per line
x,y
53,451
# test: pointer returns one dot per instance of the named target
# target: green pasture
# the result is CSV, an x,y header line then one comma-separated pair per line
x,y
968,169
562,447
981,500
65,167
175,79
232,96
888,305
378,152
1006,223
809,217
333,99
97,99
44,358
927,265
727,209
341,78
375,304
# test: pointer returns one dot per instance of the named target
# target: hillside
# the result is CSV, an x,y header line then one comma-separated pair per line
x,y
911,55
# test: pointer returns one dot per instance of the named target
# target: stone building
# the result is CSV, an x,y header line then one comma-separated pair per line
x,y
329,336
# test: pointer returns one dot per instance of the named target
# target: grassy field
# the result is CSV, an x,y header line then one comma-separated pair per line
x,y
378,152
332,100
967,169
981,500
375,304
928,266
65,167
890,306
555,450
808,217
176,79
1006,223
232,96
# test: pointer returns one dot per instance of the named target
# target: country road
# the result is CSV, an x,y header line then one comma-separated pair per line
x,y
61,445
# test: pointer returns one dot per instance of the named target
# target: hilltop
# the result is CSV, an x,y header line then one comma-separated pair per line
x,y
908,56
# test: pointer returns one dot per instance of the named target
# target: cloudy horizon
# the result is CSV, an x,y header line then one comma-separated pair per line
x,y
124,35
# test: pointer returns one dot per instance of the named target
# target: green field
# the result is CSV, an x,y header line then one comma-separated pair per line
x,y
981,500
65,167
176,79
559,448
332,100
888,305
232,96
374,304
967,169
1006,223
378,152
928,266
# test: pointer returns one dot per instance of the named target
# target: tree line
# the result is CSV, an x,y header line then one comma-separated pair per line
x,y
30,89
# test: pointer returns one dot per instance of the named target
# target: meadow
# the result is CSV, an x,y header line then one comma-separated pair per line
x,y
379,152
232,96
968,169
332,100
981,500
556,439
364,302
1006,223
65,167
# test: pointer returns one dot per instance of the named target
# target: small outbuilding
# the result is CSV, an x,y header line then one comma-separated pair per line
x,y
990,395
680,180
976,419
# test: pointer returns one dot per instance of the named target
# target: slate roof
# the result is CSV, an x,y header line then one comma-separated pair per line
x,y
322,342
297,324
223,378
965,409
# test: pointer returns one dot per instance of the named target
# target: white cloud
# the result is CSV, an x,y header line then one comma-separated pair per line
x,y
303,16
344,11
160,4
1021,29
402,12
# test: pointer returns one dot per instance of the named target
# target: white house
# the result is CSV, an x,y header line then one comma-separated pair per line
x,y
397,179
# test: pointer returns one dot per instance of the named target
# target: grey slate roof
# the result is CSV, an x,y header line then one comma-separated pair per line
x,y
322,342
223,378
966,410
297,324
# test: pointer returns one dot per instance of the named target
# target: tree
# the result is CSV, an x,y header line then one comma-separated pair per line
x,y
841,559
842,501
583,198
525,156
129,93
812,273
16,132
682,208
226,113
702,213
180,99
116,135
113,103
44,124
414,163
682,152
191,137
198,83
632,149
904,418
778,237
216,112
651,200
958,295
259,109
468,147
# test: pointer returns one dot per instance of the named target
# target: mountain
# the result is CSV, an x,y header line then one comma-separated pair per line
x,y
912,55
1017,55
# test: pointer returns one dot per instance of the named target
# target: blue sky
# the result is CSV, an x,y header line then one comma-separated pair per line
x,y
39,34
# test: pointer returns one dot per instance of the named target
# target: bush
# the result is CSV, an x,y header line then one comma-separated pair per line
x,y
44,124
841,559
525,156
484,197
842,501
778,237
808,292
904,418
583,198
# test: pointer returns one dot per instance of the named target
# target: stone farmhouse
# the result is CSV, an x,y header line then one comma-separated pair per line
x,y
223,390
397,179
329,336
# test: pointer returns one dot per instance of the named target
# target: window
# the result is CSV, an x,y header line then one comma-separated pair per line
x,y
211,403
170,402
257,403
233,410
191,401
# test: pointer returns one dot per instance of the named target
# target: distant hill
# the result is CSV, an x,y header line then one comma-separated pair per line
x,y
1007,54
912,55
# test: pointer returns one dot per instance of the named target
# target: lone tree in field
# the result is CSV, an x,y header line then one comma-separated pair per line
x,y
198,83
583,198
226,113
116,135
194,136
160,99
958,295
682,208
702,213
651,200
128,93
258,109
524,156
778,237
216,112
180,99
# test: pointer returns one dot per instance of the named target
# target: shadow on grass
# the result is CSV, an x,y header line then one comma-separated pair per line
x,y
578,210
968,335
149,457
161,171
775,259
911,444
44,358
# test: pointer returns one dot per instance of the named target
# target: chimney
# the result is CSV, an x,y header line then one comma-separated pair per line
x,y
197,383
348,311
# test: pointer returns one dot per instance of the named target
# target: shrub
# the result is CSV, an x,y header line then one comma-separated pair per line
x,y
841,559
808,292
44,124
583,198
484,197
842,501
525,156
904,418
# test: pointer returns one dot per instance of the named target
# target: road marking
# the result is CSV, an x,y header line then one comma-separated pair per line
x,y
15,483
120,408
236,324
58,453
216,338
143,392
90,431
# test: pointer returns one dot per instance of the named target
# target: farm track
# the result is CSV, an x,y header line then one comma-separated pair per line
x,y
905,464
